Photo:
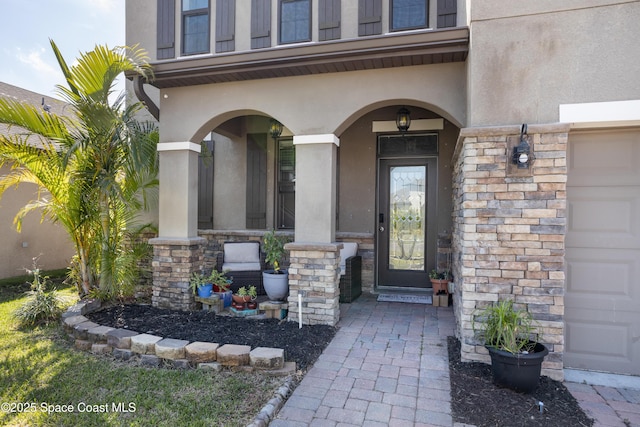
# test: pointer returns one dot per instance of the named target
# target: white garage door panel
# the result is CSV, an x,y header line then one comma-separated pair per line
x,y
603,272
614,339
602,298
596,344
604,158
604,217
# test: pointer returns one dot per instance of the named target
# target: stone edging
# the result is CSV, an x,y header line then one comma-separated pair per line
x,y
152,351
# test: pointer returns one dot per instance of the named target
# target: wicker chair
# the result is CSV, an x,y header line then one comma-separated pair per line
x,y
350,272
245,263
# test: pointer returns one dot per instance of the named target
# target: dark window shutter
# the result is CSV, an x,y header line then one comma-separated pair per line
x,y
329,20
225,25
369,17
260,24
205,187
166,29
447,13
257,181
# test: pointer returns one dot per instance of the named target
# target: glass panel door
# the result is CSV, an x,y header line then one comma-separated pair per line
x,y
407,196
406,235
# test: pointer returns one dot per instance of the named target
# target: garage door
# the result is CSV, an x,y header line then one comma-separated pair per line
x,y
602,304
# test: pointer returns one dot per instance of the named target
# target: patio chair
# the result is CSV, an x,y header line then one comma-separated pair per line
x,y
245,263
350,272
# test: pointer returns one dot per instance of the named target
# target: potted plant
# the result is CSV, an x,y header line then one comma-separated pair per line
x,y
439,281
276,281
244,296
512,338
200,284
221,284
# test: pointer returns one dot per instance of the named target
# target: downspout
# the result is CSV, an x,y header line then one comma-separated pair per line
x,y
138,89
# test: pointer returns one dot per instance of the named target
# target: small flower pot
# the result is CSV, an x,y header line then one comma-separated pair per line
x,y
241,300
439,285
204,291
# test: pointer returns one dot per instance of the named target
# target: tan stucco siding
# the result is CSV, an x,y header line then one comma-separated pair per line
x,y
317,104
45,240
524,63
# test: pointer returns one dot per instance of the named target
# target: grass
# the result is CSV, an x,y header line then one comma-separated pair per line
x,y
41,372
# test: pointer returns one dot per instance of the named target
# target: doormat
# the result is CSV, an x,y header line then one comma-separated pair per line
x,y
412,299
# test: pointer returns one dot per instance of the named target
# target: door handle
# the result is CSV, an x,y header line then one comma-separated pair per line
x,y
381,228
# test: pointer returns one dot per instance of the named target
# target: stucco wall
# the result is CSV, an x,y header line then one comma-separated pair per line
x,y
526,58
315,104
45,240
357,166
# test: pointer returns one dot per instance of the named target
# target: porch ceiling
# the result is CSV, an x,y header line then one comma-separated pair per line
x,y
385,51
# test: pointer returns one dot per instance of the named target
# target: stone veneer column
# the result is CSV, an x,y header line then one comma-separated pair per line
x,y
314,272
178,251
173,262
509,231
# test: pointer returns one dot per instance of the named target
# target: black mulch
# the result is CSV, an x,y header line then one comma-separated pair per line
x,y
476,400
302,346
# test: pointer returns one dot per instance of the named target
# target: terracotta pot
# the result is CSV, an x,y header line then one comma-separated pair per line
x,y
439,285
241,300
252,305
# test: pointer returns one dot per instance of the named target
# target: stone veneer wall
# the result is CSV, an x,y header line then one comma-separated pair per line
x,y
175,259
314,273
173,262
509,232
215,239
366,250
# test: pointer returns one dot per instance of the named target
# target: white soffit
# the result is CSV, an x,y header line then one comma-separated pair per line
x,y
416,125
179,146
601,114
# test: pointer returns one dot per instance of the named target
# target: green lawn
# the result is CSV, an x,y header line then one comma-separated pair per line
x,y
42,376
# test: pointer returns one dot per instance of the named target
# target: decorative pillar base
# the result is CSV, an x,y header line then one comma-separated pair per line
x,y
173,262
314,272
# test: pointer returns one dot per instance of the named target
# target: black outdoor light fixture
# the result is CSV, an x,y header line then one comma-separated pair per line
x,y
403,119
275,128
522,155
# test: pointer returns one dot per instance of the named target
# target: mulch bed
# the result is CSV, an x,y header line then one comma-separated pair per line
x,y
476,400
302,346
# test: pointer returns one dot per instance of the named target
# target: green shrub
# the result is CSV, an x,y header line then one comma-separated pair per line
x,y
41,306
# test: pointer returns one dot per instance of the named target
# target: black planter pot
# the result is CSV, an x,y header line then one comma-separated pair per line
x,y
519,372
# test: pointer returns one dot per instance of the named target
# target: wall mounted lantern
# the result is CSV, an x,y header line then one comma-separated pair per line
x,y
275,128
522,155
403,119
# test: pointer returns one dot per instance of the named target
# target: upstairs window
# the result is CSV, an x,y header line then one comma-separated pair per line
x,y
295,21
409,14
195,26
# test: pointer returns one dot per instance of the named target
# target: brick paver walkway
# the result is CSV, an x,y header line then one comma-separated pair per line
x,y
388,365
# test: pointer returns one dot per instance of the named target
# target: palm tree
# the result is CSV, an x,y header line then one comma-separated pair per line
x,y
96,166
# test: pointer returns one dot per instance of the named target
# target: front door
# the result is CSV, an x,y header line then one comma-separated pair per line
x,y
406,214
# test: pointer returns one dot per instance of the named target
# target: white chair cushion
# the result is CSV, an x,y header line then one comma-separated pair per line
x,y
242,252
241,266
348,250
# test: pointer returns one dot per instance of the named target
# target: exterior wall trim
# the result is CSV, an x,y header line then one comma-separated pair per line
x,y
326,138
416,125
179,146
601,114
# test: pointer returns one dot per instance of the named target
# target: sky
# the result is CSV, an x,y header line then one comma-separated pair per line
x,y
26,57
